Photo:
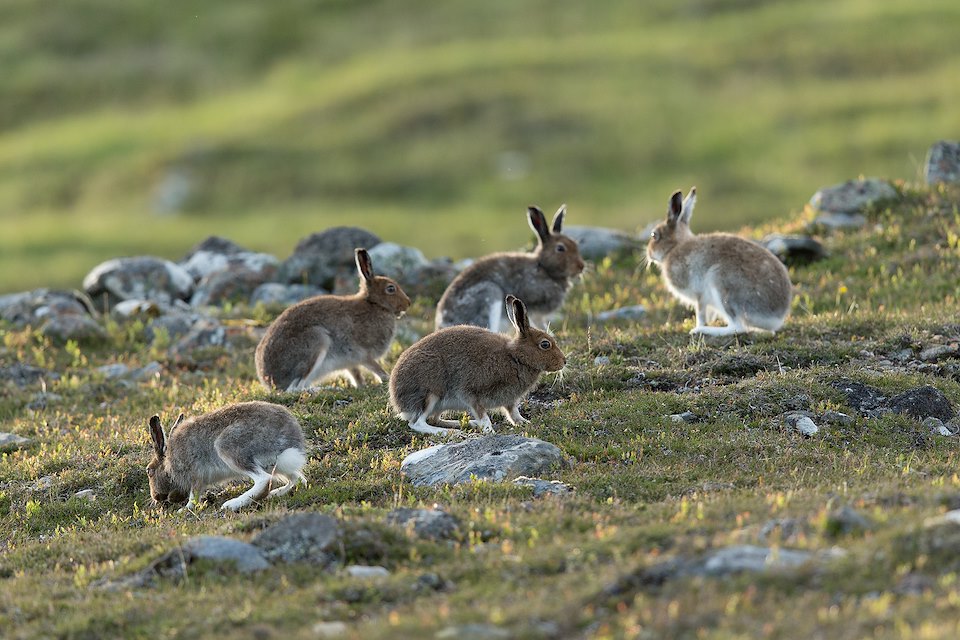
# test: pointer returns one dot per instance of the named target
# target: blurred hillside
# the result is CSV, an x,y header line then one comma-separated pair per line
x,y
131,127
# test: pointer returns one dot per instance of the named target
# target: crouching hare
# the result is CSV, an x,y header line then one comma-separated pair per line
x,y
473,369
257,440
720,275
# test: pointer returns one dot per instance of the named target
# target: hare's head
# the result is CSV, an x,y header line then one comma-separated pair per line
x,y
557,253
162,487
380,290
675,229
532,347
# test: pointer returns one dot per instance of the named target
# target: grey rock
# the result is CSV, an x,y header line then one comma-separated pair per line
x,y
115,370
233,284
149,370
173,326
473,631
939,352
493,457
751,559
627,314
839,220
837,417
366,572
687,417
320,257
794,249
846,521
936,426
242,556
430,524
206,332
59,315
914,584
42,400
275,293
543,487
397,261
24,375
943,163
332,629
140,278
596,243
799,421
86,494
601,361
217,254
866,400
301,537
143,309
9,441
783,530
853,196
72,327
923,402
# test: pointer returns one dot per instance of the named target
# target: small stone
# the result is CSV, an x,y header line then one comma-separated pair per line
x,y
939,352
936,426
601,361
42,400
334,629
794,249
430,524
836,417
544,487
115,370
140,278
782,529
366,572
596,243
749,558
24,375
45,482
837,220
301,537
943,163
951,517
245,557
474,631
86,494
801,422
846,521
626,314
9,441
687,417
150,370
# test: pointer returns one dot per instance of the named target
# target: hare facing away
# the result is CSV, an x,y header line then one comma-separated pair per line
x,y
257,440
473,369
541,278
326,335
720,275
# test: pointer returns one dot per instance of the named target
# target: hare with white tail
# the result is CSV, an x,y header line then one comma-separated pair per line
x,y
473,369
326,335
720,275
257,440
540,278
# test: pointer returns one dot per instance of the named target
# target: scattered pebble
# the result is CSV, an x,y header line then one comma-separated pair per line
x,y
366,572
330,629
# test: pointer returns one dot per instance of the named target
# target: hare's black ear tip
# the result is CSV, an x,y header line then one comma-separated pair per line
x,y
510,299
360,251
693,191
155,421
534,210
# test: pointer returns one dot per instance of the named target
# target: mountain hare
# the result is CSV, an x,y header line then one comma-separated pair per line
x,y
473,369
541,278
328,334
258,440
719,275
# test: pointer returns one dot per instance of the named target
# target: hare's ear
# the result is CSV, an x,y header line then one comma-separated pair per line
x,y
675,208
156,434
688,203
538,222
519,314
177,423
558,218
364,265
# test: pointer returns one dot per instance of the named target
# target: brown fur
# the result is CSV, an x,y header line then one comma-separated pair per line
x,y
540,278
473,369
719,274
328,334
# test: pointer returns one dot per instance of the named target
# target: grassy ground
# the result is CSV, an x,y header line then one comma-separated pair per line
x,y
646,489
290,117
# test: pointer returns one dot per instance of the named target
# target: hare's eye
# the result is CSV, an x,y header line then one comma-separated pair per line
x,y
151,472
544,344
655,235
561,248
391,289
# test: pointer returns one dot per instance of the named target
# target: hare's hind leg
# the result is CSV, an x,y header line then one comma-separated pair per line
x,y
513,414
418,422
481,417
259,490
288,466
320,368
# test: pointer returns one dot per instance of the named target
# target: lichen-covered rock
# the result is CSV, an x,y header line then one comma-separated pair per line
x,y
794,249
494,457
923,402
9,441
226,271
24,375
943,163
397,261
140,278
543,487
301,537
852,196
320,257
233,284
60,315
596,243
276,293
431,524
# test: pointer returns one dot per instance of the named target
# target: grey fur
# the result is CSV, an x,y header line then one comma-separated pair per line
x,y
326,335
258,440
540,278
720,275
473,369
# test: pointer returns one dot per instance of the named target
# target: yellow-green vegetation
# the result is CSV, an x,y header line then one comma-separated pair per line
x,y
289,117
648,490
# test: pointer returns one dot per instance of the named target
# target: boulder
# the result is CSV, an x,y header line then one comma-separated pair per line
x,y
235,283
794,249
320,257
9,441
493,457
242,556
275,293
301,537
943,163
60,315
596,243
431,524
24,375
923,402
139,278
852,197
397,261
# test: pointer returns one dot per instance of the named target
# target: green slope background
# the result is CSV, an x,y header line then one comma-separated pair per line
x,y
142,127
